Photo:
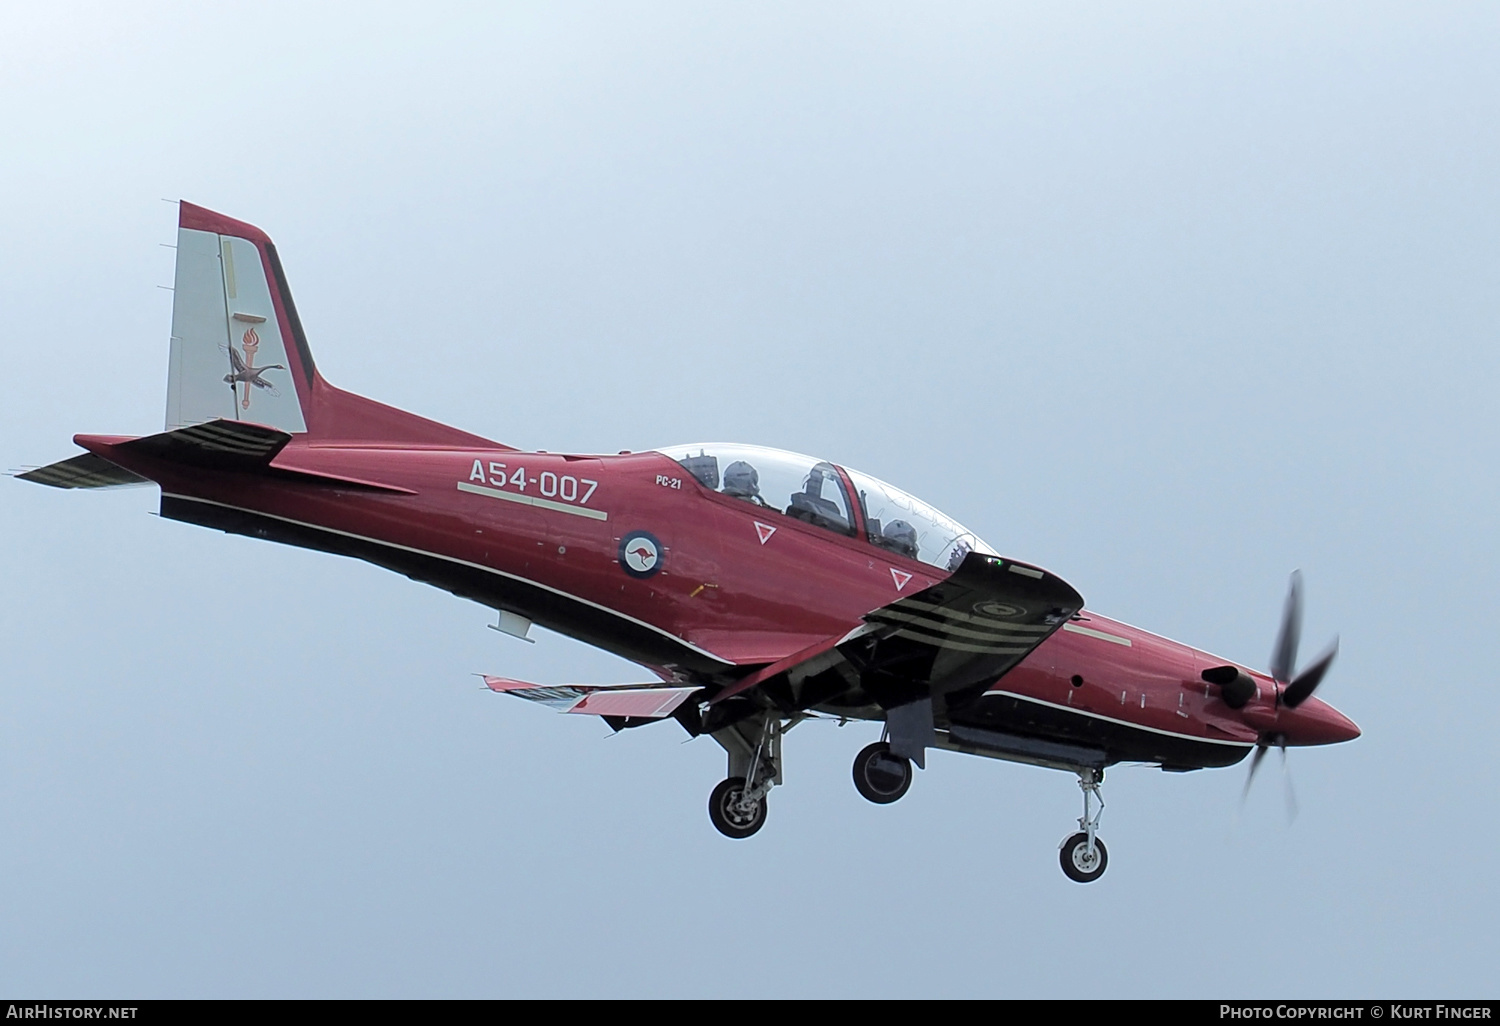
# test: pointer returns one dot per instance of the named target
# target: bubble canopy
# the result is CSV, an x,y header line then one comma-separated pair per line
x,y
818,492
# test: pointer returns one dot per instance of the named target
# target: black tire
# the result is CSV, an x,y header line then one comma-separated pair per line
x,y
1077,864
728,820
879,776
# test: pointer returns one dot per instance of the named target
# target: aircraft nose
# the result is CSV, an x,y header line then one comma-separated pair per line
x,y
1315,722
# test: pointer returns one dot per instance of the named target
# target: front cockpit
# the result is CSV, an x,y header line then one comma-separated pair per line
x,y
830,497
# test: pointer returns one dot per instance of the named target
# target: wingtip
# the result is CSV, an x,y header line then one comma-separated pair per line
x,y
504,684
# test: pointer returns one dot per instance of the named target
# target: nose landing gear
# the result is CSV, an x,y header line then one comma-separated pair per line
x,y
1083,855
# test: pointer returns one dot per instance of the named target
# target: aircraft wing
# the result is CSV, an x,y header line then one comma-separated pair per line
x,y
961,634
941,647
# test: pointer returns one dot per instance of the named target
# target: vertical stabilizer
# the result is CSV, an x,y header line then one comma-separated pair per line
x,y
229,349
239,351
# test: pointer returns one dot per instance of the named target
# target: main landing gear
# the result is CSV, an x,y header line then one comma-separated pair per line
x,y
880,776
1083,855
735,810
737,806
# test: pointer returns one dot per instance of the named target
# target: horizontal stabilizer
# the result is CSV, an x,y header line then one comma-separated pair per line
x,y
217,445
86,471
225,445
636,701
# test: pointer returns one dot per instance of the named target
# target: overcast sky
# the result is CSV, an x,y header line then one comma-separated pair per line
x,y
1170,299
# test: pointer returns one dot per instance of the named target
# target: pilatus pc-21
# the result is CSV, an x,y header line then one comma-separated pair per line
x,y
758,587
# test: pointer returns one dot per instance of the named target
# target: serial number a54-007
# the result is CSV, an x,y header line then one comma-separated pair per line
x,y
562,487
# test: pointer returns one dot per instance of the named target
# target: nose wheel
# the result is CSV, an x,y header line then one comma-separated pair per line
x,y
1083,855
879,776
1079,862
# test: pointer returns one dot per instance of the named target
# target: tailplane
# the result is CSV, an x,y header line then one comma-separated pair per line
x,y
87,471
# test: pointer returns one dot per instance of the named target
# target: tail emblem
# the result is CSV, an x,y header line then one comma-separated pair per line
x,y
242,369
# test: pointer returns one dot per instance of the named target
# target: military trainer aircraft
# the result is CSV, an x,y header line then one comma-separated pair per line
x,y
758,587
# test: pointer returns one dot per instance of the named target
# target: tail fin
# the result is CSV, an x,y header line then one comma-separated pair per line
x,y
239,352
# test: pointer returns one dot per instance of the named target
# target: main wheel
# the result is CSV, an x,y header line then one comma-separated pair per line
x,y
1081,865
880,776
729,817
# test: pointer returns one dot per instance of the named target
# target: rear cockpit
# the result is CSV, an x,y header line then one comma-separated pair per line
x,y
833,498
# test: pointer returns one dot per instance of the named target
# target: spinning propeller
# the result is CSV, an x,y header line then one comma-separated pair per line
x,y
1238,689
1286,775
1284,658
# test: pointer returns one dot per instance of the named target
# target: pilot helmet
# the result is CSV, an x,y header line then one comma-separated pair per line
x,y
903,536
741,480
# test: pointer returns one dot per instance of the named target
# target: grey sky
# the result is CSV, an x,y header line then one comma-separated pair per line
x,y
1171,299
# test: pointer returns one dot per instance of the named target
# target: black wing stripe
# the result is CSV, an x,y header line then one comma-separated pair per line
x,y
896,618
951,644
969,618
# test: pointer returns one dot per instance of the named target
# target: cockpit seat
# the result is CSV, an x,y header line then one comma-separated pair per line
x,y
703,467
961,550
814,509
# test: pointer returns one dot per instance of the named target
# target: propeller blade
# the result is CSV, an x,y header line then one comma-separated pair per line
x,y
1284,655
1286,775
1308,680
1260,753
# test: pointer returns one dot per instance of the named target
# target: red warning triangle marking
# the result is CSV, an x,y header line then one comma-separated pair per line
x,y
900,578
765,531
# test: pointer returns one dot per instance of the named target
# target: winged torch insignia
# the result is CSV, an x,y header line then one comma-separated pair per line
x,y
242,369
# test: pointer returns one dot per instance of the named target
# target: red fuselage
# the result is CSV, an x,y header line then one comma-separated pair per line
x,y
718,587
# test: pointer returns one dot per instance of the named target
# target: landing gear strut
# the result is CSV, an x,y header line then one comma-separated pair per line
x,y
880,776
737,806
1083,855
